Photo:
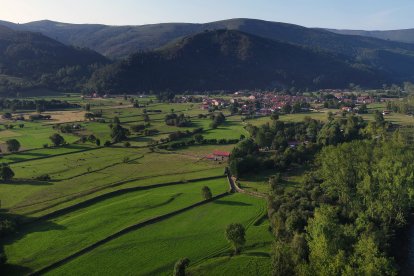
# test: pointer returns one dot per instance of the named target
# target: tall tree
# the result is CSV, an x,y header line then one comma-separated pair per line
x,y
13,145
236,235
6,173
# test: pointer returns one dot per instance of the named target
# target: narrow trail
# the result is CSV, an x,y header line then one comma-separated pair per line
x,y
235,188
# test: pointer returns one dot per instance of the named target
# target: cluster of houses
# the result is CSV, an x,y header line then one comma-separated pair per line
x,y
265,103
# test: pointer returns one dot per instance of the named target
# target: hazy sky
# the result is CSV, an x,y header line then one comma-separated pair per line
x,y
351,14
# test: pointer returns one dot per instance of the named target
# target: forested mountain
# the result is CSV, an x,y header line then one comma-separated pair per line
x,y
262,55
121,41
405,35
224,59
40,60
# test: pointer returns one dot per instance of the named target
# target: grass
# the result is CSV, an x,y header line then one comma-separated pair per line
x,y
79,174
196,234
85,173
45,153
43,243
33,135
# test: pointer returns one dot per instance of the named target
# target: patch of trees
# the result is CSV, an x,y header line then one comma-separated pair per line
x,y
13,145
297,143
177,120
297,107
67,128
38,117
197,139
18,104
217,118
138,128
405,106
57,139
343,217
119,133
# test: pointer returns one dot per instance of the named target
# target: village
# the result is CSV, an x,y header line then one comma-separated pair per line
x,y
264,104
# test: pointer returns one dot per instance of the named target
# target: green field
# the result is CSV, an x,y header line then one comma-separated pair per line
x,y
196,234
69,233
94,192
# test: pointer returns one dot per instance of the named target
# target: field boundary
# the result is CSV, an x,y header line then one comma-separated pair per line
x,y
49,156
123,232
96,199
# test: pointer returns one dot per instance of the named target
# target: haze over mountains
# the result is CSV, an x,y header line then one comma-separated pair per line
x,y
182,56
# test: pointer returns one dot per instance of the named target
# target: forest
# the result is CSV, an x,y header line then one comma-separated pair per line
x,y
356,194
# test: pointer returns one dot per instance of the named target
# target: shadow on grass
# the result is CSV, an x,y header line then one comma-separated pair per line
x,y
231,203
27,182
10,269
20,232
258,254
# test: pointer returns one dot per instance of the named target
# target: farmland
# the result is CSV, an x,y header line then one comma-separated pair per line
x,y
92,192
136,204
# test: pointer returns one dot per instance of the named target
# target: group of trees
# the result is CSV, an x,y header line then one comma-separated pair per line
x,y
217,118
297,143
296,107
57,139
38,105
341,220
177,120
405,106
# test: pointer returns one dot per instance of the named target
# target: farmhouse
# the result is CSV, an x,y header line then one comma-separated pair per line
x,y
219,155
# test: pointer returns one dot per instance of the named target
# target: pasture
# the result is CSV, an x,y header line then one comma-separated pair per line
x,y
197,234
95,191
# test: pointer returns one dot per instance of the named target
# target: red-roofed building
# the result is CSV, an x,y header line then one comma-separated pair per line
x,y
221,153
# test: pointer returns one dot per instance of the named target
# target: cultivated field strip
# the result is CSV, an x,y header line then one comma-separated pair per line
x,y
196,234
69,232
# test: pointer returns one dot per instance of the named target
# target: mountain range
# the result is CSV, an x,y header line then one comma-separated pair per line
x,y
121,41
229,54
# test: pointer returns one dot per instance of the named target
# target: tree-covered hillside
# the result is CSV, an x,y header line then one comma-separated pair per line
x,y
225,59
40,61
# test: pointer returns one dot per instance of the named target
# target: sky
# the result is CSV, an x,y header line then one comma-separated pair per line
x,y
340,14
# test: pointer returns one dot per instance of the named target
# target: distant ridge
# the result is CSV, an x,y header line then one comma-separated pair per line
x,y
404,35
121,41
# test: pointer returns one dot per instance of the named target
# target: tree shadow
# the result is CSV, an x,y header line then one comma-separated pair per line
x,y
21,230
231,203
257,254
27,182
10,269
